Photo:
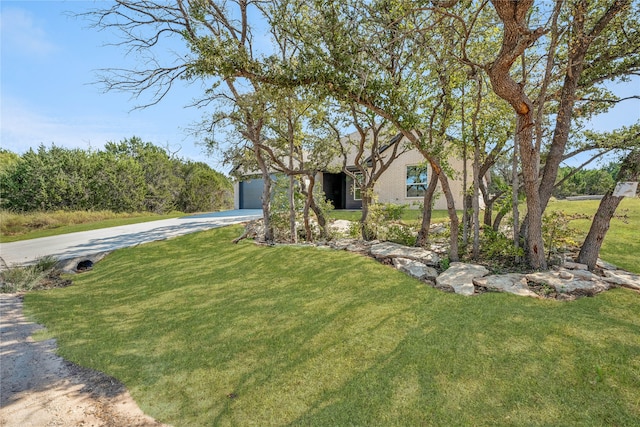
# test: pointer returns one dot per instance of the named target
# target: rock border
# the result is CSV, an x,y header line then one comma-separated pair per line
x,y
564,283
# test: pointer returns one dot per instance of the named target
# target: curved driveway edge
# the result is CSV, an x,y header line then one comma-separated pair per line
x,y
85,243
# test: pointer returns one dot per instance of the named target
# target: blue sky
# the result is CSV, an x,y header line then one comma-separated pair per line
x,y
48,68
50,59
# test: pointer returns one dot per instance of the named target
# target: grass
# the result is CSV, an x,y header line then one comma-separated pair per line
x,y
621,245
15,227
232,335
23,279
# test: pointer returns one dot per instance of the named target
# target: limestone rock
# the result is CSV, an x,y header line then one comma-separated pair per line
x,y
623,278
605,265
588,287
340,226
342,244
512,283
415,269
394,250
573,282
437,228
564,274
574,265
460,277
551,278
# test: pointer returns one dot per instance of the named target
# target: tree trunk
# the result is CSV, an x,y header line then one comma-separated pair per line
x,y
515,188
367,232
266,196
476,205
497,220
516,38
311,204
591,247
453,217
629,170
292,211
530,162
423,234
487,218
465,204
308,193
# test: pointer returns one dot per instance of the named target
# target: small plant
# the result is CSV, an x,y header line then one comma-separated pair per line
x,y
445,263
400,233
28,278
547,289
556,231
495,244
354,230
392,212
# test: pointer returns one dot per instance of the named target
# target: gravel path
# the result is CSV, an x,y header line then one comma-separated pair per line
x,y
39,388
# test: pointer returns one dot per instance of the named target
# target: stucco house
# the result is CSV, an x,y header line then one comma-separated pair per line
x,y
402,183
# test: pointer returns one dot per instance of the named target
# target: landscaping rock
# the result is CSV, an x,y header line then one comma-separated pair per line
x,y
415,269
579,282
342,244
437,228
512,283
583,287
605,265
440,248
623,278
459,276
551,278
574,265
564,274
340,226
394,250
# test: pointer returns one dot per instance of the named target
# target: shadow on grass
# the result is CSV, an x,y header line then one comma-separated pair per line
x,y
241,334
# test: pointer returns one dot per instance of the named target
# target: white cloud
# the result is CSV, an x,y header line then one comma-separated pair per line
x,y
20,34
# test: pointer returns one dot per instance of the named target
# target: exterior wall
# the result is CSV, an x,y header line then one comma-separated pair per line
x,y
391,187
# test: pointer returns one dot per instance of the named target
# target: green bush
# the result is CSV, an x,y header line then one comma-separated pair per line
x,y
393,212
400,233
494,245
556,232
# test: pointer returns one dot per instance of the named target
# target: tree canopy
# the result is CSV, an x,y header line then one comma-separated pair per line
x,y
436,71
130,175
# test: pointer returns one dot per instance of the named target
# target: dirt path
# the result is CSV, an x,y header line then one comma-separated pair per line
x,y
39,388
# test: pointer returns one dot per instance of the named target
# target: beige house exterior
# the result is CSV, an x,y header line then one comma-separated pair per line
x,y
402,183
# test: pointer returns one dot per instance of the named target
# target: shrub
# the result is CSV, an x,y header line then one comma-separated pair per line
x,y
392,212
556,231
400,233
494,245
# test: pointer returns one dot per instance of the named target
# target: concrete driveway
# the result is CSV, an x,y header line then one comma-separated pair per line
x,y
86,243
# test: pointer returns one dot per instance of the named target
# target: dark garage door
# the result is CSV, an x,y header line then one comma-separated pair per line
x,y
251,193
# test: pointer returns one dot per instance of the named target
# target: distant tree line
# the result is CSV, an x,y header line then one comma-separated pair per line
x,y
573,182
126,176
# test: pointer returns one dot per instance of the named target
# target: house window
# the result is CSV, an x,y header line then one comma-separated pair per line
x,y
416,181
357,194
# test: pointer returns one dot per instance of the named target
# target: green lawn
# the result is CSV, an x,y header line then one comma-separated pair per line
x,y
410,216
622,243
204,332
